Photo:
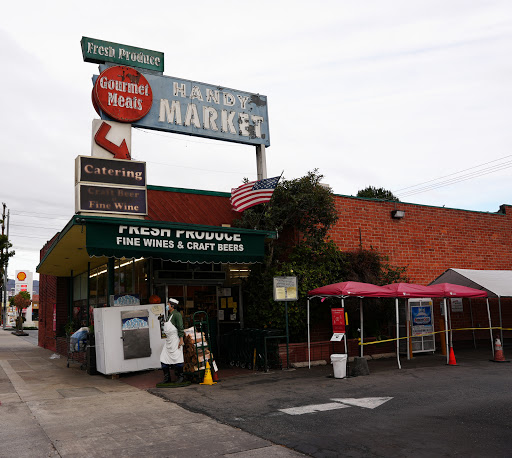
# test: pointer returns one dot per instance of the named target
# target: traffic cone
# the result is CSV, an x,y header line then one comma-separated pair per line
x,y
208,376
451,359
499,357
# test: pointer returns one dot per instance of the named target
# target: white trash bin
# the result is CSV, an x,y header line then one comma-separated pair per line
x,y
339,364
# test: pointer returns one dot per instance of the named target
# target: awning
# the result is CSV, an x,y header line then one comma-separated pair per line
x,y
497,283
94,239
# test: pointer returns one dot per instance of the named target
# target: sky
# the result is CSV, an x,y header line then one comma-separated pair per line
x,y
404,95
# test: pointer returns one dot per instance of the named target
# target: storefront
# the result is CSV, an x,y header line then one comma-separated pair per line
x,y
113,261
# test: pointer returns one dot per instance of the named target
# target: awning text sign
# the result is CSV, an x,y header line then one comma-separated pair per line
x,y
193,108
100,51
285,289
174,242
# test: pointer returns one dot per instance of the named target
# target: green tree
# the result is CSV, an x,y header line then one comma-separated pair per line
x,y
377,193
302,211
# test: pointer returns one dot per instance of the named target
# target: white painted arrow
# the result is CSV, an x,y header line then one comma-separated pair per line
x,y
367,403
313,408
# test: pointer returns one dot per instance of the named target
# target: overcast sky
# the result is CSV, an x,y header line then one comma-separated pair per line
x,y
385,93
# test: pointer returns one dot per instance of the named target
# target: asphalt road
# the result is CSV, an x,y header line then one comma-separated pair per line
x,y
425,409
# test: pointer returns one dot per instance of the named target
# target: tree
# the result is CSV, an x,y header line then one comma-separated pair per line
x,y
302,211
21,301
377,193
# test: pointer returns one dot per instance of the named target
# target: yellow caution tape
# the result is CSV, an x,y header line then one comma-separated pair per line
x,y
431,334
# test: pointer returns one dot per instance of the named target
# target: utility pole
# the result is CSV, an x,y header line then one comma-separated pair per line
x,y
3,281
6,249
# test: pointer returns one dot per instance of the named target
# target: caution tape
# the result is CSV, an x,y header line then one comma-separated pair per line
x,y
433,333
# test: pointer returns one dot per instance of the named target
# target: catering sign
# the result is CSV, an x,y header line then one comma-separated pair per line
x,y
193,108
100,51
110,171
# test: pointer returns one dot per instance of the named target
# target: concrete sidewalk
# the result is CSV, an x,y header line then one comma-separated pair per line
x,y
49,410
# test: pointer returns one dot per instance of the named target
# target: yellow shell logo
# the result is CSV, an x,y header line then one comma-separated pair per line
x,y
21,276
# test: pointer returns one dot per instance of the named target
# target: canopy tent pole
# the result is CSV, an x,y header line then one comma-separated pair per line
x,y
361,324
472,323
397,334
490,326
309,339
450,324
408,326
345,336
446,330
501,323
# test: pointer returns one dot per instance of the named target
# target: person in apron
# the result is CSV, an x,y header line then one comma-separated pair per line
x,y
172,353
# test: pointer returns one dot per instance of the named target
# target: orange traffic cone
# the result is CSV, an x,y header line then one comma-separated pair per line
x,y
451,359
208,376
499,357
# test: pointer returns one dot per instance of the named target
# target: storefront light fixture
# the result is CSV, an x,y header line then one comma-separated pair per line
x,y
397,214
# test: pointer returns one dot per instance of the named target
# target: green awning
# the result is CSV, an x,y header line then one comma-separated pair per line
x,y
104,237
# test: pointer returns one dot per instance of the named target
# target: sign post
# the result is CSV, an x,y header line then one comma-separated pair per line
x,y
285,289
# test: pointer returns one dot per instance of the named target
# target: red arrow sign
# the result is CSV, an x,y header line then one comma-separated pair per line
x,y
119,152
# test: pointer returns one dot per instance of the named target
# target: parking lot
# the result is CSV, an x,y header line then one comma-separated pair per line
x,y
426,409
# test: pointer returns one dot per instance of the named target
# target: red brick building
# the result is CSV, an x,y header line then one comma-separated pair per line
x,y
427,240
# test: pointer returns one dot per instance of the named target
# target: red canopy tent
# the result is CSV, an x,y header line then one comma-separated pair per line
x,y
396,290
351,288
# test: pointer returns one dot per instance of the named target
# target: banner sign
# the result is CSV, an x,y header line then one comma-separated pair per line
x,y
176,242
203,110
110,171
99,51
338,320
110,199
421,317
285,289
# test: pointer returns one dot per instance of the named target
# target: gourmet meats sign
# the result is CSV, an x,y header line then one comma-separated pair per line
x,y
122,93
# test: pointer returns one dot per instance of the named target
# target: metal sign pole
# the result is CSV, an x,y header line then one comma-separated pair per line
x,y
261,162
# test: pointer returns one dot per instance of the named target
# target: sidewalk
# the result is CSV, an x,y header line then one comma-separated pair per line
x,y
49,410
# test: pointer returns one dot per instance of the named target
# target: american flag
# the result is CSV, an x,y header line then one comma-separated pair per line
x,y
253,193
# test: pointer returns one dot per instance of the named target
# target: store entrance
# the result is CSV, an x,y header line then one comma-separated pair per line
x,y
222,305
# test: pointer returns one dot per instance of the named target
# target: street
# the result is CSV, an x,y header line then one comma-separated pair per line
x,y
429,409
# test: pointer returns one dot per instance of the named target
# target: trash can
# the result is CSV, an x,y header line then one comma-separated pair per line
x,y
339,364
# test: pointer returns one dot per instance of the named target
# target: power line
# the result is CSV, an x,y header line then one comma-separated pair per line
x,y
456,179
454,173
36,227
25,213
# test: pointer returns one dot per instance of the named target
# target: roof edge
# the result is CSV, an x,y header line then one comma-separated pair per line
x,y
189,191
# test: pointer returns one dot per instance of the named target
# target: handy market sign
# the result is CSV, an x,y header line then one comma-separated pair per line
x,y
186,243
181,106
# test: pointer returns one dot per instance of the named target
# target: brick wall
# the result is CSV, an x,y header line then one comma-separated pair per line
x,y
53,292
428,240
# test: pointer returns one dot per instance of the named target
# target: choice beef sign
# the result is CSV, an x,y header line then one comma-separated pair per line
x,y
181,106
